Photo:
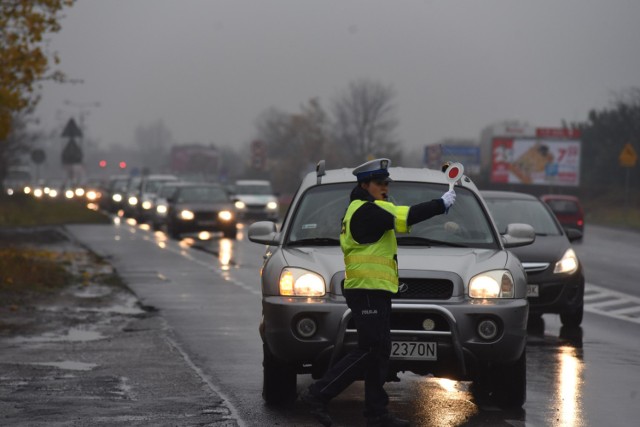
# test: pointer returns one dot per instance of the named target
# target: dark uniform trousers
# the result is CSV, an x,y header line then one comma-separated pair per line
x,y
371,311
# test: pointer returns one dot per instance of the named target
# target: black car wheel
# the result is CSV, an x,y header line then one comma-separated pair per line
x,y
572,318
279,382
230,233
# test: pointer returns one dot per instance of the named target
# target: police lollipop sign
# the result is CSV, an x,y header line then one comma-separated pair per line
x,y
453,173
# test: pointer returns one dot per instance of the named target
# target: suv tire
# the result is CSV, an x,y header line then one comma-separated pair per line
x,y
279,379
502,385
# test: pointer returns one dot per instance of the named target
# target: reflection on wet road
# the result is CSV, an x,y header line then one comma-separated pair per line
x,y
571,381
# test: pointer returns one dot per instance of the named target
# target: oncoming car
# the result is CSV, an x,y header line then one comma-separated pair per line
x,y
194,208
461,310
554,272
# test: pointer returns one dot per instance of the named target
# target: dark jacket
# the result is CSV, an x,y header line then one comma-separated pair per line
x,y
370,221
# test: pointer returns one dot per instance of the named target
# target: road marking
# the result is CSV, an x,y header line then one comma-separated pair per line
x,y
602,301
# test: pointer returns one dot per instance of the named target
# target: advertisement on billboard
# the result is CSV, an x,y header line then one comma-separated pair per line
x,y
436,155
536,161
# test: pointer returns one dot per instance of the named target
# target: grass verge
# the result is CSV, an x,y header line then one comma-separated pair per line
x,y
26,269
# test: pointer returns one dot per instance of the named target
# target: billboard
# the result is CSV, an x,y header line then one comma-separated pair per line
x,y
536,161
469,156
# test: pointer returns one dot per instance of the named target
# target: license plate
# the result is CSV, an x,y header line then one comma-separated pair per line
x,y
416,350
533,291
206,223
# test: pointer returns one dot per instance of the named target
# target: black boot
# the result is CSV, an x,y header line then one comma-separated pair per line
x,y
387,420
317,407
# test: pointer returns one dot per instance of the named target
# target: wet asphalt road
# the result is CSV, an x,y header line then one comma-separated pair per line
x,y
209,306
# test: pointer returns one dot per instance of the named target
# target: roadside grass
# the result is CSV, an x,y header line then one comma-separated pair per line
x,y
27,270
613,210
23,210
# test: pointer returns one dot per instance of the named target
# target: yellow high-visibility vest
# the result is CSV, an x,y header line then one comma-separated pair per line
x,y
372,265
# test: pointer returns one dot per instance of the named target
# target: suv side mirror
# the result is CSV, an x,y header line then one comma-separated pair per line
x,y
264,232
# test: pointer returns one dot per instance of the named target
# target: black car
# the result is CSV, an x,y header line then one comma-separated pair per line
x,y
555,279
198,207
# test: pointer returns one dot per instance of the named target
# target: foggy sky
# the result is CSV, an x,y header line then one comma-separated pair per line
x,y
208,68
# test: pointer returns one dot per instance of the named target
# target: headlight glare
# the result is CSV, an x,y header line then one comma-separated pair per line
x,y
187,215
240,204
301,283
567,264
492,284
225,215
272,206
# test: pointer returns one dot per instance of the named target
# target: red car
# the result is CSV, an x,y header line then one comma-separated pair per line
x,y
567,209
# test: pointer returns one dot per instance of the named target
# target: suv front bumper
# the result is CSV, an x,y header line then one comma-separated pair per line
x,y
460,347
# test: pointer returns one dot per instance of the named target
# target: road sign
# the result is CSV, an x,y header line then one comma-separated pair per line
x,y
628,156
38,156
71,130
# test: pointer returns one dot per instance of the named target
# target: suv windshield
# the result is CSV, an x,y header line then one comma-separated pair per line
x,y
318,218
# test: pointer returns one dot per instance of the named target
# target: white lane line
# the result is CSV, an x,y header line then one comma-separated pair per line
x,y
611,299
188,253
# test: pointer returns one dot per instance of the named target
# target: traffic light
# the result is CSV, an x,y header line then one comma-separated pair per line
x,y
123,165
102,163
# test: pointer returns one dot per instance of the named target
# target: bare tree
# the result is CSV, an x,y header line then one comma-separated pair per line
x,y
295,143
365,120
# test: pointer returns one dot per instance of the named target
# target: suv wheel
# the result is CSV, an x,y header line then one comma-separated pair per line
x,y
279,382
572,318
503,385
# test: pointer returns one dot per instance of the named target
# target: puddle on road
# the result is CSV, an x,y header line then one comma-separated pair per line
x,y
69,365
72,335
94,291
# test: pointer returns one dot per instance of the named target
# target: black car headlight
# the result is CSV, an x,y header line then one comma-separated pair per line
x,y
187,215
225,215
567,264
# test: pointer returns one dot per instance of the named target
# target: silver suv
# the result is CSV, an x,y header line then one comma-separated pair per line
x,y
461,310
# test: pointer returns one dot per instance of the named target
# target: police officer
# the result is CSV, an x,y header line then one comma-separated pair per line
x,y
368,242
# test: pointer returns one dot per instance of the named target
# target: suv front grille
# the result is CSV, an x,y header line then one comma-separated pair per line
x,y
440,289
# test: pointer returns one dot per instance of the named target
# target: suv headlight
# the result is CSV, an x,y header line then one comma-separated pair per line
x,y
301,283
272,206
492,284
567,264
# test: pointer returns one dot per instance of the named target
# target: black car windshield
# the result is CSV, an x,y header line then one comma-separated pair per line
x,y
201,195
533,212
319,215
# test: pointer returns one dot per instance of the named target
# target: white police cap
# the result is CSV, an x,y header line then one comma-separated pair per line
x,y
373,169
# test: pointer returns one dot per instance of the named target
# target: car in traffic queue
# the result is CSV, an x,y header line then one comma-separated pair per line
x,y
555,275
147,190
197,207
158,216
114,195
567,209
461,310
255,199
